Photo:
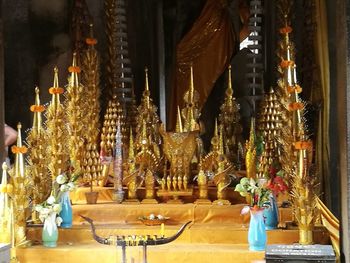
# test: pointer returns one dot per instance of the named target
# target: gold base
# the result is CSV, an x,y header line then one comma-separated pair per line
x,y
132,201
202,201
175,195
221,202
174,201
149,201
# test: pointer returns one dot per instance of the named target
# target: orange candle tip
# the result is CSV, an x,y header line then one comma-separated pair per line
x,y
303,145
91,41
56,90
74,69
286,30
37,108
15,149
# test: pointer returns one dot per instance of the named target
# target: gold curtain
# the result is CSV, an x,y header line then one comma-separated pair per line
x,y
322,95
208,46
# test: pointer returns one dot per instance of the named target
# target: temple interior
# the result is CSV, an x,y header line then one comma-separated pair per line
x,y
174,131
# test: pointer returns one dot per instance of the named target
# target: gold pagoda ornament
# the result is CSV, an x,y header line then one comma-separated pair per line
x,y
37,156
269,127
91,166
147,163
296,147
190,113
148,115
5,207
76,106
56,131
21,191
250,156
218,166
229,118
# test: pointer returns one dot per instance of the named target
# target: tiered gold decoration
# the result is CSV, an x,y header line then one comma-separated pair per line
x,y
91,166
131,177
217,164
77,123
5,207
113,114
37,156
295,143
270,129
148,114
250,157
229,118
147,164
21,190
56,130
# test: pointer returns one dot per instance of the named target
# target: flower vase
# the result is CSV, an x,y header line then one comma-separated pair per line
x,y
271,214
50,231
66,212
257,232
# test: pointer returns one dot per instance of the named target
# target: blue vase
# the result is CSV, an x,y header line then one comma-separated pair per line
x,y
66,212
50,231
271,214
257,233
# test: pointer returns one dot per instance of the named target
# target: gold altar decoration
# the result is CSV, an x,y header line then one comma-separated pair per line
x,y
179,149
5,207
203,181
270,129
147,163
229,118
114,113
148,116
56,130
38,157
22,185
76,106
294,139
218,166
250,149
118,193
91,166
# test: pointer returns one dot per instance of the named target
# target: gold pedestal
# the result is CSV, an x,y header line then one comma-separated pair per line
x,y
202,201
221,202
175,195
306,237
149,201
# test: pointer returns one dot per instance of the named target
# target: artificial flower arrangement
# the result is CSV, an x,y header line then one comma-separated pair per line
x,y
256,190
63,183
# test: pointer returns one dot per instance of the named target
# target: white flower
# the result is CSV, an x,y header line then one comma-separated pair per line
x,y
59,220
45,211
38,208
64,187
71,186
57,208
245,210
151,216
42,218
51,200
61,179
160,217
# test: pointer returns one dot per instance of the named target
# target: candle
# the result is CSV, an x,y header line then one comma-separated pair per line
x,y
162,230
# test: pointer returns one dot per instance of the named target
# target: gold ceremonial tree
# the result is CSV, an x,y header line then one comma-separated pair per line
x,y
297,148
76,106
91,166
56,130
229,118
37,156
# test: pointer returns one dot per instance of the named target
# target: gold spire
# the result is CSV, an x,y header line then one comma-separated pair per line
x,y
5,213
131,154
250,159
178,121
221,141
146,92
74,70
191,93
37,109
229,90
19,150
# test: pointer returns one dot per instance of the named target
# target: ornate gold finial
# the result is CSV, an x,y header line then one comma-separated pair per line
x,y
178,127
190,112
229,118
